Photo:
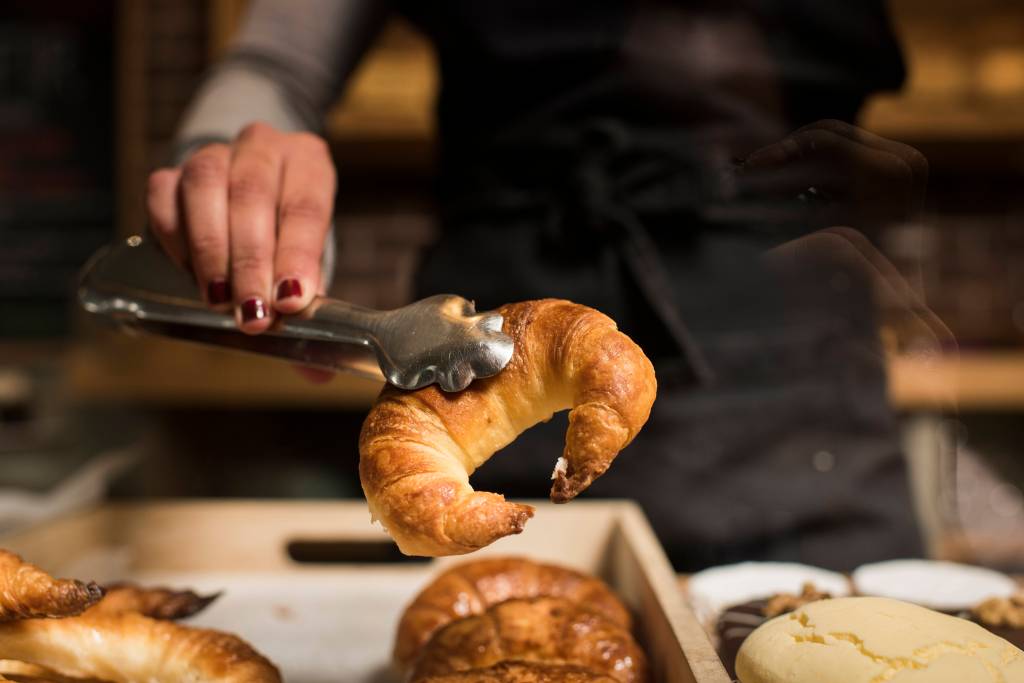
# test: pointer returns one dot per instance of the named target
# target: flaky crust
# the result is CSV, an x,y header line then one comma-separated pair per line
x,y
129,647
21,672
545,630
472,587
28,592
159,603
523,672
417,449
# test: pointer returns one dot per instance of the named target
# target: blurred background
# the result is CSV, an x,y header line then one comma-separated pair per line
x,y
90,95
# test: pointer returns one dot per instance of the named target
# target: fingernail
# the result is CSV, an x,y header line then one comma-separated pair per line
x,y
218,292
289,288
253,309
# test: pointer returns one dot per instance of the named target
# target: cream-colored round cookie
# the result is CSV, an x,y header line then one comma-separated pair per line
x,y
869,640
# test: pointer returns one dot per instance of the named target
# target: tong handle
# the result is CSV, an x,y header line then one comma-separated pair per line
x,y
439,339
134,284
331,320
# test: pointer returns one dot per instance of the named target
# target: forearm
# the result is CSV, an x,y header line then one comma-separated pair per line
x,y
286,67
230,98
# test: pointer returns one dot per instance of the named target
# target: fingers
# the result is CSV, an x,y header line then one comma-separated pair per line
x,y
204,202
314,375
840,147
840,162
250,219
914,159
879,180
253,188
164,217
304,216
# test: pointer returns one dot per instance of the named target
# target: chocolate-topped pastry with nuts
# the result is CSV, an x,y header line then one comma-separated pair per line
x,y
739,621
1002,616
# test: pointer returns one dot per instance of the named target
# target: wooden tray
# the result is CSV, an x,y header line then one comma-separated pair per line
x,y
319,590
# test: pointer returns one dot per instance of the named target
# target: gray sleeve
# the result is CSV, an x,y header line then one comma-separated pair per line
x,y
287,65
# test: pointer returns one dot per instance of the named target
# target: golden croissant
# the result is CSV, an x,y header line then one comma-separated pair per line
x,y
112,640
473,587
159,603
28,592
417,449
543,630
21,672
128,647
523,672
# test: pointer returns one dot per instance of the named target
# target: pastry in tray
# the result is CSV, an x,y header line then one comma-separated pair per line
x,y
868,640
472,587
22,672
1002,616
736,623
987,597
980,595
27,592
515,620
418,448
549,630
523,672
56,629
713,590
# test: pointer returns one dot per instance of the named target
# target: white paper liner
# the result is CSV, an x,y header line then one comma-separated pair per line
x,y
713,590
939,585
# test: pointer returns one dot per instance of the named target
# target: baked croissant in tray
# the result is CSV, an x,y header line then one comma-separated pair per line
x,y
159,603
417,449
129,647
28,592
113,639
523,672
22,672
545,630
472,587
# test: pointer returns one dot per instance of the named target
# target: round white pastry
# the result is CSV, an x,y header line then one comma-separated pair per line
x,y
864,640
713,590
940,585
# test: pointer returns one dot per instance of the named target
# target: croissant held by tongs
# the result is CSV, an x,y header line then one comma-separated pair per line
x,y
417,449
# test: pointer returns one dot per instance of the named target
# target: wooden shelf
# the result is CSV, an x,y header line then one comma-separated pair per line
x,y
116,367
391,94
981,380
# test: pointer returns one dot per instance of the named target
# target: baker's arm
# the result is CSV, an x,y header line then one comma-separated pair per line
x,y
248,202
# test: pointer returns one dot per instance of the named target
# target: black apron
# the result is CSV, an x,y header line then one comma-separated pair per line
x,y
587,153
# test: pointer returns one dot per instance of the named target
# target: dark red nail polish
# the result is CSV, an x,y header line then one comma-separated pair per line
x,y
288,289
253,309
218,292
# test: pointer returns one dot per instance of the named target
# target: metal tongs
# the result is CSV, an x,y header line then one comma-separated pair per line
x,y
439,339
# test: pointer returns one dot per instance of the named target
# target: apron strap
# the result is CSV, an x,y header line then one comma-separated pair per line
x,y
602,212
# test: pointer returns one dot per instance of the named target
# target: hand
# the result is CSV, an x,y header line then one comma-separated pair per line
x,y
861,179
250,219
917,332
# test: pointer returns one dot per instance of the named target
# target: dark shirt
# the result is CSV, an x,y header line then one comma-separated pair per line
x,y
733,75
586,151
